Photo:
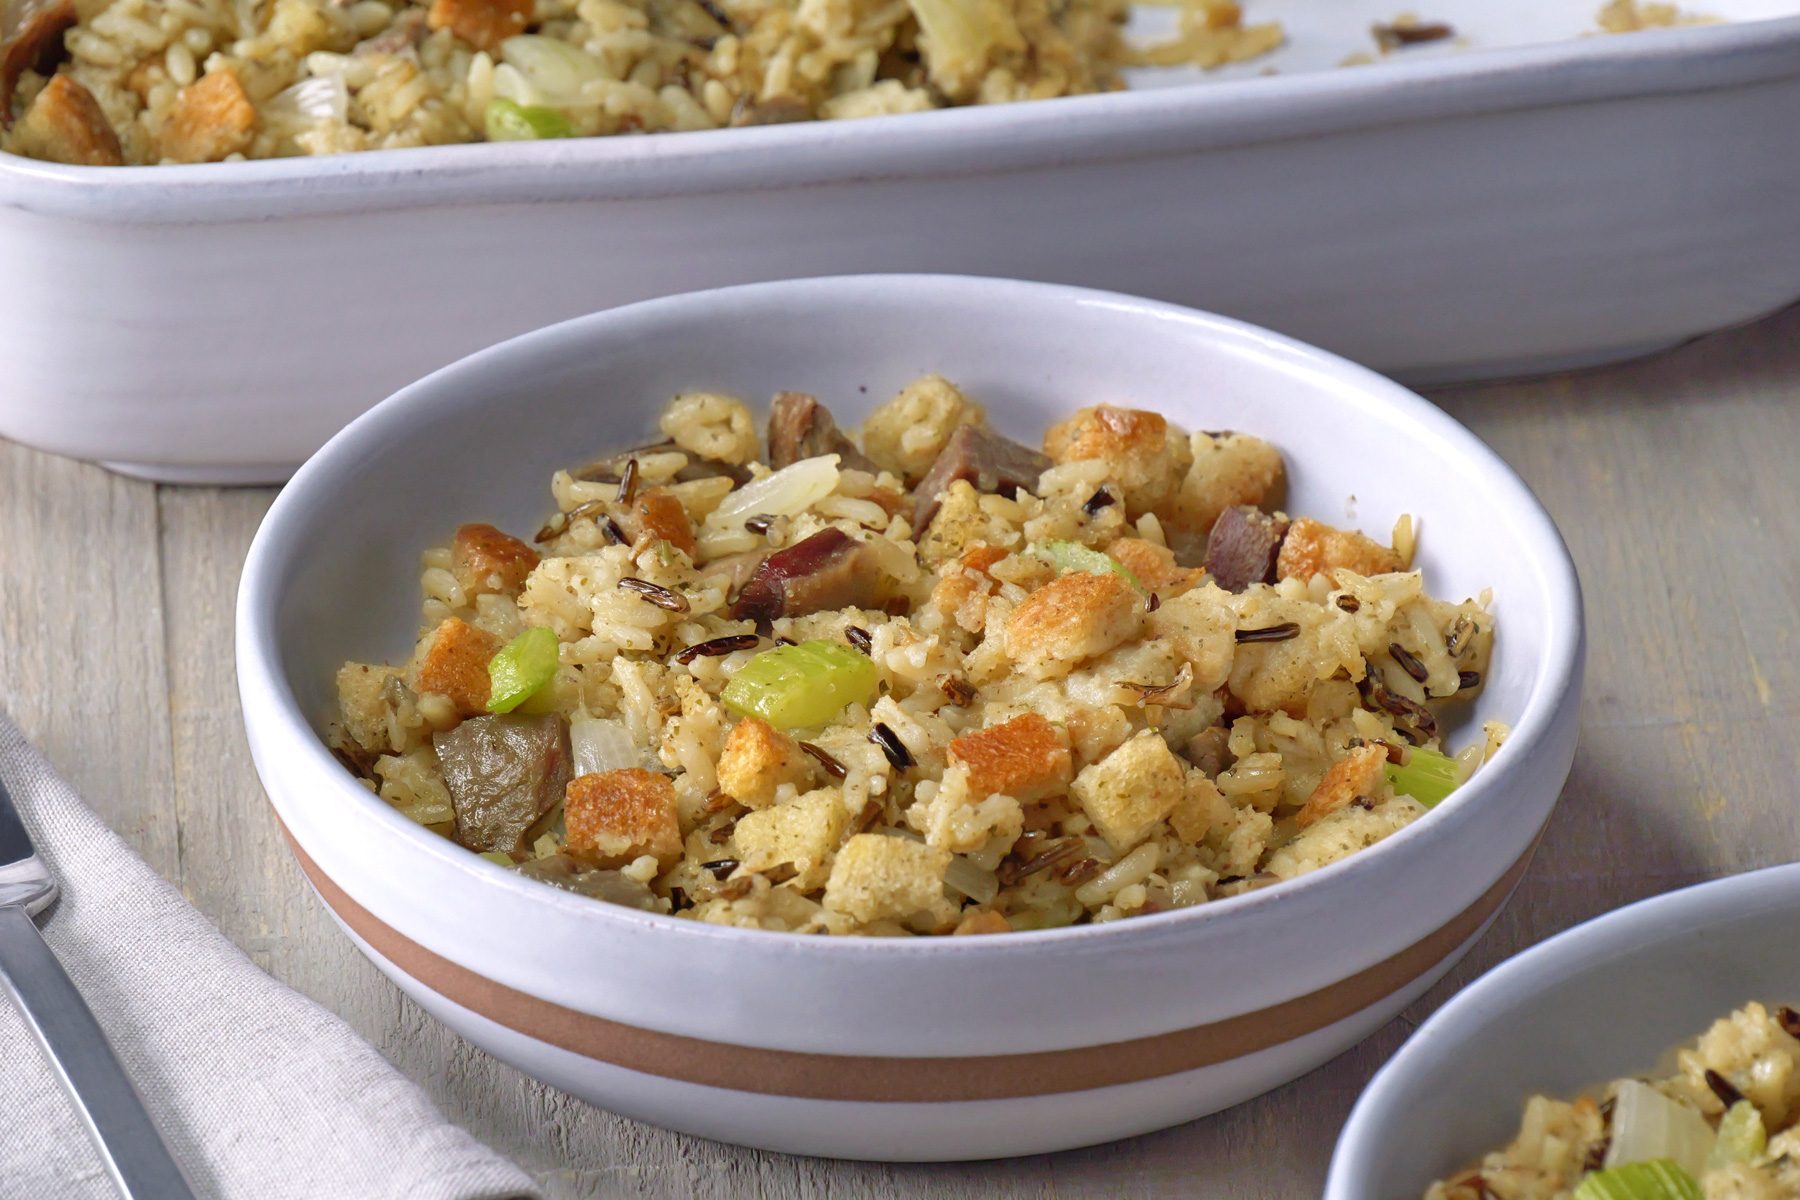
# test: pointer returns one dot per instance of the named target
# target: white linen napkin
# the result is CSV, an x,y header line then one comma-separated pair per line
x,y
261,1094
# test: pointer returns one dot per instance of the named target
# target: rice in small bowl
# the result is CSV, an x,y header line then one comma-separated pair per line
x,y
901,1047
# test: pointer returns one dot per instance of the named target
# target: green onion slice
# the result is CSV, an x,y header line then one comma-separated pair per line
x,y
1427,776
801,686
521,669
1658,1179
1073,556
509,121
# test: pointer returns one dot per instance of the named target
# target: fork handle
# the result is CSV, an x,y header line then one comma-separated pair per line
x,y
135,1156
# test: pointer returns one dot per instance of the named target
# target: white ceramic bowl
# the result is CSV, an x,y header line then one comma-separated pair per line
x,y
1502,209
933,1048
1605,999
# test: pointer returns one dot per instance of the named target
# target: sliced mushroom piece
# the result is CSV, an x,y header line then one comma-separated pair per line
x,y
1243,546
570,874
30,40
800,427
828,570
503,772
990,462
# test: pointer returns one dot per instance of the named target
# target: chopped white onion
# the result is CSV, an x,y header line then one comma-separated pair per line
x,y
323,97
786,493
1648,1125
554,70
600,744
965,877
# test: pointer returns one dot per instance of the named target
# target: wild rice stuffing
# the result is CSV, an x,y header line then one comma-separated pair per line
x,y
182,81
1725,1125
928,681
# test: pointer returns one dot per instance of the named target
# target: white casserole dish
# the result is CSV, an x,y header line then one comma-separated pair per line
x,y
1606,999
873,1048
1439,215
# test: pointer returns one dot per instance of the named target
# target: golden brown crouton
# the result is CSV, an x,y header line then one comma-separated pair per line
x,y
65,124
484,24
1155,566
487,560
614,817
455,664
803,832
877,877
1071,618
213,118
1201,627
962,592
1128,793
1358,773
1026,758
1229,470
757,759
657,513
982,920
1315,548
1143,456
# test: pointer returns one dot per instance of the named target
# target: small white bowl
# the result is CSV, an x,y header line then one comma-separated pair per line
x,y
874,1048
1606,999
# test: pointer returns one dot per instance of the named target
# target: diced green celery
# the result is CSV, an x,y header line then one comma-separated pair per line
x,y
1658,1179
510,121
521,669
796,687
495,856
1427,776
1742,1138
1073,556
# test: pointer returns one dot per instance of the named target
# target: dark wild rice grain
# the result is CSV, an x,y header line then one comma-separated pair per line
x,y
718,647
628,482
656,594
1722,1088
1099,500
832,766
1269,633
891,745
1408,662
859,637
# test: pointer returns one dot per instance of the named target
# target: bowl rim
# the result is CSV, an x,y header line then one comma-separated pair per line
x,y
271,707
1516,981
1131,124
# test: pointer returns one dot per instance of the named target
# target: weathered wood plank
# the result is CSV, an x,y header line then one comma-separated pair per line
x,y
81,638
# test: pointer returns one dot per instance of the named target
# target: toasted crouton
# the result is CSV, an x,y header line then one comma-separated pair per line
x,y
1358,773
1315,548
614,817
1128,793
213,118
1201,807
1155,566
960,524
1341,834
365,711
878,877
757,759
65,124
1201,627
1143,456
1026,758
657,513
455,664
483,24
487,560
803,832
962,592
1229,470
906,434
1073,617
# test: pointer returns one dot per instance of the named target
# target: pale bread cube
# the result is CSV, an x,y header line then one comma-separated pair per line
x,y
803,832
877,877
1131,791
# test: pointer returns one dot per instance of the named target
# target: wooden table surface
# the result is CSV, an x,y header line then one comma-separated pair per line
x,y
1674,480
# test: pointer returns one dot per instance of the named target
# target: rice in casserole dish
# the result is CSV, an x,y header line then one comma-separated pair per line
x,y
927,681
1724,1124
149,81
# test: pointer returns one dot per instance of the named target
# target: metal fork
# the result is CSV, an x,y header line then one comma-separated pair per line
x,y
134,1153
